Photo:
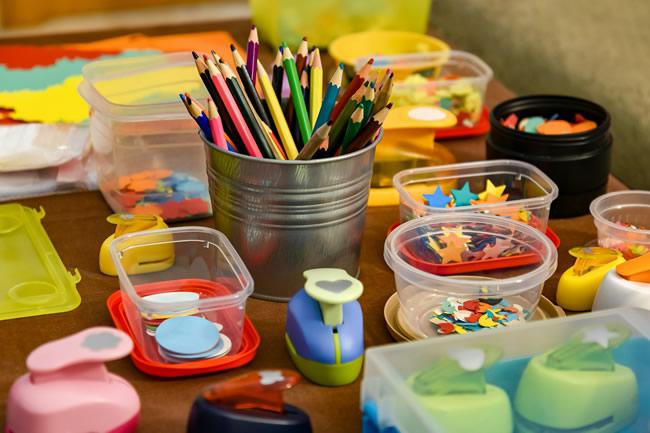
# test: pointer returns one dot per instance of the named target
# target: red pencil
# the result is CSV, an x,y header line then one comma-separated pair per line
x,y
218,135
354,85
233,110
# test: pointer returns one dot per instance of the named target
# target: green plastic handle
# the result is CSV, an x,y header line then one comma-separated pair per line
x,y
332,288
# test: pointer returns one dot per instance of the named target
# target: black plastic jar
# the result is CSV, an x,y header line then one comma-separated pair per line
x,y
578,163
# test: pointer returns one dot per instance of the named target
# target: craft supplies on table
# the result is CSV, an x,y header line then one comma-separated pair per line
x,y
250,402
578,162
185,306
508,188
69,389
149,158
324,329
582,373
628,284
623,221
289,20
578,285
33,280
466,272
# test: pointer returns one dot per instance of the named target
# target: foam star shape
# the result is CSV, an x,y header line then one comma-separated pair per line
x,y
454,236
437,199
494,251
600,335
451,253
463,196
490,189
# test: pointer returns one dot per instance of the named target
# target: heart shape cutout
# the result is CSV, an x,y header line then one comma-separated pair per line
x,y
334,286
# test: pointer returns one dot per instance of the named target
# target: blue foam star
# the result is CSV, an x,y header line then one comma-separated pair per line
x,y
437,199
464,195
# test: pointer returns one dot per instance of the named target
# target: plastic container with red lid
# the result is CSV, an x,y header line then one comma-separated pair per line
x,y
442,261
168,275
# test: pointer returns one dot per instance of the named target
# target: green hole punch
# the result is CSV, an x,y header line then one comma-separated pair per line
x,y
454,391
578,386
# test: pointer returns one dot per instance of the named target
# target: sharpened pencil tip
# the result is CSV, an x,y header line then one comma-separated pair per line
x,y
253,27
371,61
341,65
389,105
221,60
232,47
304,38
195,55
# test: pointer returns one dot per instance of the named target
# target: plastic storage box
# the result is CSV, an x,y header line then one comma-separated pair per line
x,y
447,263
179,273
459,85
391,404
623,221
149,157
530,191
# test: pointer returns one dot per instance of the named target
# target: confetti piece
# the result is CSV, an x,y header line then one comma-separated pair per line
x,y
456,316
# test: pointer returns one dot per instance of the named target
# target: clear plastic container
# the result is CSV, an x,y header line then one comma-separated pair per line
x,y
391,405
530,191
458,83
499,262
196,265
623,221
150,159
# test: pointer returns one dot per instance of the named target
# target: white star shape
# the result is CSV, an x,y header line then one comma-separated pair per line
x,y
600,335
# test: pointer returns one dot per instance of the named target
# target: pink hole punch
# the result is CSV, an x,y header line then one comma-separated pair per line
x,y
68,388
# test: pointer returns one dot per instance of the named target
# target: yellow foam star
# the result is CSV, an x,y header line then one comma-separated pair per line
x,y
490,189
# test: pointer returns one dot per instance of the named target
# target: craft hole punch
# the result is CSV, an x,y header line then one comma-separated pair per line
x,y
578,285
454,391
68,388
578,386
324,329
152,259
252,402
627,284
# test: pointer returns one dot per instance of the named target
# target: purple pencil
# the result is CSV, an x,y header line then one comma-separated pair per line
x,y
252,51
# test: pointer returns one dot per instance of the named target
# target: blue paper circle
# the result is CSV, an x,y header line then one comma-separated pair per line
x,y
187,335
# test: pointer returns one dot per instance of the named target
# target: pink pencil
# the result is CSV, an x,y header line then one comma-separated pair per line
x,y
214,120
233,110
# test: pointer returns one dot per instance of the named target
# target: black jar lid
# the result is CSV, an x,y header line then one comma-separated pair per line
x,y
583,144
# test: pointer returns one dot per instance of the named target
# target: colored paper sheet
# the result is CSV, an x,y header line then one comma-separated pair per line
x,y
29,56
41,77
203,42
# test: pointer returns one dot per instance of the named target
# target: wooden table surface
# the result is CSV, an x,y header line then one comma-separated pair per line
x,y
76,224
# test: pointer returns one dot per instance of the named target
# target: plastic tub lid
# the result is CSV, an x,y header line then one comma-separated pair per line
x,y
141,88
454,171
220,241
620,200
409,241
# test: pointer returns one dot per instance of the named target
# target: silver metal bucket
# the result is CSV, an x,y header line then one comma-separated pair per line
x,y
284,217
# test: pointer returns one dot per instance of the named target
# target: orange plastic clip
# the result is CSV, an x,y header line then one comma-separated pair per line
x,y
258,390
637,269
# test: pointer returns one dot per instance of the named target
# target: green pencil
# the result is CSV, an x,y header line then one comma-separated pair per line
x,y
296,94
367,102
354,126
338,128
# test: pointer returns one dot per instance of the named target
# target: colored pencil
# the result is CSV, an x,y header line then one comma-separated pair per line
x,y
367,102
196,115
368,132
252,51
278,75
245,109
315,86
296,96
354,126
218,135
332,92
383,95
233,110
304,85
276,112
248,84
194,109
338,128
354,85
315,142
274,146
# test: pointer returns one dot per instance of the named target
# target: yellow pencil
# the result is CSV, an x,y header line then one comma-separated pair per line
x,y
276,112
315,87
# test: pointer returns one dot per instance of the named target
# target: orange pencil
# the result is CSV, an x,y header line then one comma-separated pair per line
x,y
354,85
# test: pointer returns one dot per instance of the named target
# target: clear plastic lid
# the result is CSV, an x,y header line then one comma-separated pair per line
x,y
141,88
470,254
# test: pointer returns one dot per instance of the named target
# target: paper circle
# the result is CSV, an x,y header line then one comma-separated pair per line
x,y
187,335
429,114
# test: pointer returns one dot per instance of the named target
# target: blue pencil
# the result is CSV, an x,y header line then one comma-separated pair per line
x,y
332,92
